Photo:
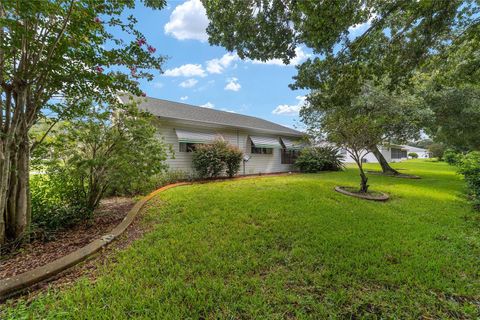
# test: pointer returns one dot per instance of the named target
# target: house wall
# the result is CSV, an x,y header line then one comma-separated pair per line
x,y
258,163
370,157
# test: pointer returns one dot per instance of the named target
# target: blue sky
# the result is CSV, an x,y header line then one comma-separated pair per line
x,y
204,75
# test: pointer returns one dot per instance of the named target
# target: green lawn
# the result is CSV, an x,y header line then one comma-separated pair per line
x,y
291,247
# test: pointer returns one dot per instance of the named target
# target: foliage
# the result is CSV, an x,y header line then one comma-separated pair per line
x,y
413,155
207,159
106,150
469,166
55,203
437,150
211,160
270,247
157,181
54,54
456,115
452,157
315,159
233,159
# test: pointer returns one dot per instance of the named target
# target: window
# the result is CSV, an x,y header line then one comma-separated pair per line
x,y
289,156
256,150
398,153
188,147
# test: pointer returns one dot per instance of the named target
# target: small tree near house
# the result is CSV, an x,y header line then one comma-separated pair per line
x,y
356,134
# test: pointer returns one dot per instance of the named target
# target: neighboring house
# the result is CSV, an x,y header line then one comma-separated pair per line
x,y
422,153
269,147
391,152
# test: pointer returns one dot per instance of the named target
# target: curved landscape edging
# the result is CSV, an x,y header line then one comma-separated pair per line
x,y
382,197
12,285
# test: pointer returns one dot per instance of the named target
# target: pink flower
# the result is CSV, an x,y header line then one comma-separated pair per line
x,y
97,20
133,71
151,49
99,69
143,94
141,42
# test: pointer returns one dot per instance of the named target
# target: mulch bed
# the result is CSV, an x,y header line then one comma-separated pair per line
x,y
353,192
38,253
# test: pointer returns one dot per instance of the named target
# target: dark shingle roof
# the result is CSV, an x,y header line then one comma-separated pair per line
x,y
175,110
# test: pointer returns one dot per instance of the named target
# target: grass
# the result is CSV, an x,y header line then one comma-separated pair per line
x,y
290,247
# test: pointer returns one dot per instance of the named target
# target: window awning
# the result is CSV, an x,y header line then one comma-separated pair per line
x,y
265,142
196,137
291,144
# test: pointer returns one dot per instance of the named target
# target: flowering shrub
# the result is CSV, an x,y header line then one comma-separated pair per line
x,y
211,160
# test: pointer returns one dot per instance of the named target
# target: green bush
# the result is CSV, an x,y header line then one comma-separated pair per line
x,y
315,159
413,155
437,150
233,159
211,160
469,166
54,204
451,157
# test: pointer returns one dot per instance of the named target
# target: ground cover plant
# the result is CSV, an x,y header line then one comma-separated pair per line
x,y
290,247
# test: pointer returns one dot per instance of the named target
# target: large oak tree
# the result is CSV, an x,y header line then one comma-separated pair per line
x,y
398,37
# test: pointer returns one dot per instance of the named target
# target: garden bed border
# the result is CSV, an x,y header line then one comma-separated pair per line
x,y
14,285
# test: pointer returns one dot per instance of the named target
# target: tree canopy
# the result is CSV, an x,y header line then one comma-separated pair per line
x,y
53,53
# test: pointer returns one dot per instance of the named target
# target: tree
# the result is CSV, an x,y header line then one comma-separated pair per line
x,y
105,149
353,133
437,150
398,37
53,49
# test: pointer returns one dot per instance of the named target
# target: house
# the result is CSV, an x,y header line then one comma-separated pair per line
x,y
391,153
422,153
268,147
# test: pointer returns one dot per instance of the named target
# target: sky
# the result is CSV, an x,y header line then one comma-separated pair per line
x,y
203,75
209,76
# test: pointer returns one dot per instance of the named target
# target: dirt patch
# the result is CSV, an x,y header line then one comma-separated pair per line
x,y
38,253
353,192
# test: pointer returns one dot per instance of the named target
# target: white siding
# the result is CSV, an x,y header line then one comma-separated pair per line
x,y
258,163
370,157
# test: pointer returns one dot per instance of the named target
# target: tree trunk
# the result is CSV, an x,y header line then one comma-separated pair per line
x,y
383,162
363,183
18,211
4,175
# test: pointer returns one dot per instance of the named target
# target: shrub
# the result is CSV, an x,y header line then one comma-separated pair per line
x,y
437,150
315,159
208,159
469,166
451,157
413,155
233,160
54,204
211,160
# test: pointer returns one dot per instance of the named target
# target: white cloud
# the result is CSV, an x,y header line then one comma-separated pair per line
x,y
290,110
184,98
189,83
300,56
228,110
232,84
188,21
219,65
208,105
186,70
157,85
